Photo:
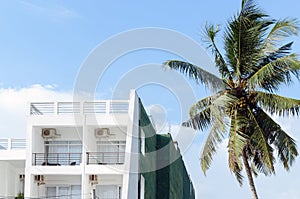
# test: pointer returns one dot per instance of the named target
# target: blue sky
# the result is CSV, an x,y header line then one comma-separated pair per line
x,y
45,43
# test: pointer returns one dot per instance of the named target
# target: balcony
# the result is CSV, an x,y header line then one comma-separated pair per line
x,y
68,108
56,159
12,144
109,158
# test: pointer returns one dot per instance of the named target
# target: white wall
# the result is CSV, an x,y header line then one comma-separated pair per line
x,y
66,134
130,180
37,140
10,175
62,180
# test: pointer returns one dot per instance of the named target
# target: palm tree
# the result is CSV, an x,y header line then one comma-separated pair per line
x,y
255,64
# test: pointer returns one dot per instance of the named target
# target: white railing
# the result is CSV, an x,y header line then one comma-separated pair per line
x,y
68,108
93,107
12,144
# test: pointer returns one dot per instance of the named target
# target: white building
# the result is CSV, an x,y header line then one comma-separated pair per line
x,y
83,150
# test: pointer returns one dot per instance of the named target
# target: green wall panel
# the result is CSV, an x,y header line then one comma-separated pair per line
x,y
162,166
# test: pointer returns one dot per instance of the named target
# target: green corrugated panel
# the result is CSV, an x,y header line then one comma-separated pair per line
x,y
162,175
171,181
148,162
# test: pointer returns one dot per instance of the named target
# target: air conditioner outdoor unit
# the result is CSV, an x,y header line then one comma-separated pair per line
x,y
39,179
102,132
49,133
93,179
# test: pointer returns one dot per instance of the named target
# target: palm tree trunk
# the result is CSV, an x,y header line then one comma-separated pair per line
x,y
249,174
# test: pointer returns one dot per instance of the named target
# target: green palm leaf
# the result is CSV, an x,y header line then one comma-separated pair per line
x,y
275,73
216,136
276,104
196,73
237,142
284,144
243,38
207,110
282,29
210,33
260,142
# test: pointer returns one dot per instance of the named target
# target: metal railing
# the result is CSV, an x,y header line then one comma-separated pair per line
x,y
56,159
94,107
105,157
65,108
12,144
118,106
42,108
68,108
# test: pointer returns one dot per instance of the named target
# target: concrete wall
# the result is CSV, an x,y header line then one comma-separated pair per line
x,y
131,176
9,173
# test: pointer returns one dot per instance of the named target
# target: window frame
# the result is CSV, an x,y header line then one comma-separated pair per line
x,y
69,187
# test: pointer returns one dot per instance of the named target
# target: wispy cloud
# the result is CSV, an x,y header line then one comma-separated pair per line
x,y
54,12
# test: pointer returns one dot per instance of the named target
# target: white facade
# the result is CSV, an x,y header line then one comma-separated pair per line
x,y
76,150
12,166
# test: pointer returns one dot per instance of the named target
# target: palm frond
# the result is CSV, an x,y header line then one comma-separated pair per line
x,y
203,103
221,99
264,152
282,29
286,147
215,137
200,121
254,169
250,9
276,104
243,38
207,110
196,73
210,33
273,55
284,144
270,76
236,144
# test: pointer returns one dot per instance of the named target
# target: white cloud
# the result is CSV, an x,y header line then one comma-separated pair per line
x,y
14,106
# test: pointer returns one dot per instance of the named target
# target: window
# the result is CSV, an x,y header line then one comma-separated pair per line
x,y
65,192
108,191
63,152
142,142
111,152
